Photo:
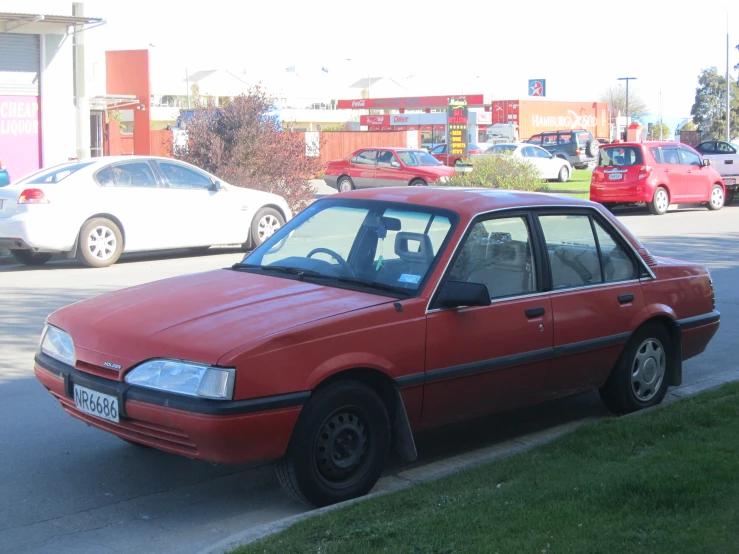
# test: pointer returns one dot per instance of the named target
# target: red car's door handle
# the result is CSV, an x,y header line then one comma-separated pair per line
x,y
535,312
667,170
625,298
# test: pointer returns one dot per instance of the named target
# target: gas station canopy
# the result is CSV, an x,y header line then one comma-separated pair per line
x,y
409,103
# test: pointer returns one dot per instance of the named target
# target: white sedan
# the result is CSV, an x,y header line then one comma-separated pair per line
x,y
549,166
96,209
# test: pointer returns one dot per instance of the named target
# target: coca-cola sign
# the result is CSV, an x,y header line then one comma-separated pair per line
x,y
358,103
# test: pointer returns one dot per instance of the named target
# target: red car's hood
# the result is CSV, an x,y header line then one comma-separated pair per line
x,y
198,317
439,170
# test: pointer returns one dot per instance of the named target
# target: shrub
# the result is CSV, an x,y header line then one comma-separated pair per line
x,y
245,146
500,171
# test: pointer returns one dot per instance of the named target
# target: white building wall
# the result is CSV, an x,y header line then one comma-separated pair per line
x,y
58,127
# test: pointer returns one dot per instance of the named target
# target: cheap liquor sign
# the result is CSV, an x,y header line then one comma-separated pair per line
x,y
457,126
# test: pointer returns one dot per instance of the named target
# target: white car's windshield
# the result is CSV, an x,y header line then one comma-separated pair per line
x,y
369,245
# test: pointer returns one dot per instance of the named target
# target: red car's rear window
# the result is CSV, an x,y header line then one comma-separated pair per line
x,y
621,156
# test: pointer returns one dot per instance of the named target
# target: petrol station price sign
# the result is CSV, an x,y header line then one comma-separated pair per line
x,y
457,127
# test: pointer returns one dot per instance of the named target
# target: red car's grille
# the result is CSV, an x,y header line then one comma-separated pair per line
x,y
98,370
135,430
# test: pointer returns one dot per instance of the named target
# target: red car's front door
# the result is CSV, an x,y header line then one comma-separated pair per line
x,y
488,358
697,182
440,153
596,297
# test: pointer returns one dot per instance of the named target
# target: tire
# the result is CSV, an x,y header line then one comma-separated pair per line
x,y
417,183
28,257
716,202
346,411
264,225
660,201
100,243
729,198
564,174
199,249
591,148
345,184
625,392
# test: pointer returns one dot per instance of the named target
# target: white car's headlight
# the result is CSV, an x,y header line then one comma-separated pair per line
x,y
58,344
188,378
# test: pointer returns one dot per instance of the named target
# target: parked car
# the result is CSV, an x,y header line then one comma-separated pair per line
x,y
385,167
375,314
655,173
725,159
4,175
549,166
577,146
96,209
441,153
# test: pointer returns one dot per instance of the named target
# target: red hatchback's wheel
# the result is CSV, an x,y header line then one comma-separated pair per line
x,y
338,447
716,202
660,201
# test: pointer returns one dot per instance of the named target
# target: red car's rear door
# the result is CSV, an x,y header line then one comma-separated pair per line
x,y
488,358
362,169
596,297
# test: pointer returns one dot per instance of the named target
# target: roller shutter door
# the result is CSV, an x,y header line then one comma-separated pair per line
x,y
19,64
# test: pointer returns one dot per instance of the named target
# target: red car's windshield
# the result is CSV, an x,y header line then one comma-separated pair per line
x,y
417,157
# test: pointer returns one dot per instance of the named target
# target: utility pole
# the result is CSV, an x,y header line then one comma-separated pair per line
x,y
627,79
660,115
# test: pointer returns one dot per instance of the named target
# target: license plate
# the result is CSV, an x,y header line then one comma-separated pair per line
x,y
615,176
727,182
96,404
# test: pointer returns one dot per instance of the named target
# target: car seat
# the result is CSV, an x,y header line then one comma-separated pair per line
x,y
416,252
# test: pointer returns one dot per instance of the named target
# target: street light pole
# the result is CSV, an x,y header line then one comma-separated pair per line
x,y
728,84
627,79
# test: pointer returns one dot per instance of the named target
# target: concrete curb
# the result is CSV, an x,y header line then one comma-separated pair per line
x,y
442,468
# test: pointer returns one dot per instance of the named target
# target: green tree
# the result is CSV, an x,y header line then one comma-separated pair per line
x,y
709,109
688,126
616,97
657,131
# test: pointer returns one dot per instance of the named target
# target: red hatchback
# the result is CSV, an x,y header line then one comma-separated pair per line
x,y
373,315
385,167
655,173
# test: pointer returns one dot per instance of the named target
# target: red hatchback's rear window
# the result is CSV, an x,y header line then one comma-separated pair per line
x,y
620,156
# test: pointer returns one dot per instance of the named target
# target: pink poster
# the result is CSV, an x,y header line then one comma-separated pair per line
x,y
19,135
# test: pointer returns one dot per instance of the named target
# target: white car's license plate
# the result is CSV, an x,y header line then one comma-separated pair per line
x,y
94,403
615,176
727,182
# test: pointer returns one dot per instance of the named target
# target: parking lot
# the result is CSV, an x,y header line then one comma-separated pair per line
x,y
67,487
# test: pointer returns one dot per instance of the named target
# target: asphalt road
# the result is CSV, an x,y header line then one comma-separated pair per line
x,y
66,487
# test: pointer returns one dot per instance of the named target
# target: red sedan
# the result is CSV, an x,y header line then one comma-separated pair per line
x,y
375,314
385,167
655,173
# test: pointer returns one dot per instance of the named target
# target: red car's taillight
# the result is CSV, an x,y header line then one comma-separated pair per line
x,y
644,172
32,196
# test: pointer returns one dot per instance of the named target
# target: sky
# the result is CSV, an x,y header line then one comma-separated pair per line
x,y
433,47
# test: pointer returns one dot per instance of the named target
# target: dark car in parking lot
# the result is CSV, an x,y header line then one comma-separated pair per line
x,y
577,146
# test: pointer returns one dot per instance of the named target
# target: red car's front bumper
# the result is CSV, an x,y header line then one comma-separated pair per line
x,y
239,432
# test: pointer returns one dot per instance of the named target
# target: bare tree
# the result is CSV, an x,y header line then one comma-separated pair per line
x,y
616,97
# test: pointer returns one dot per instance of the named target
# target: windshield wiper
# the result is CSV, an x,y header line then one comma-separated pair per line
x,y
282,269
374,285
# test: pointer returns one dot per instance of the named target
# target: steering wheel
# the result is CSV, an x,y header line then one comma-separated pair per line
x,y
342,262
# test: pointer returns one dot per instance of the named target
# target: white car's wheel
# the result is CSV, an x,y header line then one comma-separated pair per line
x,y
100,243
265,224
564,174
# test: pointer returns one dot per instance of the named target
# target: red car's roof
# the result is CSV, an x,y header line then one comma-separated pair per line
x,y
465,201
648,143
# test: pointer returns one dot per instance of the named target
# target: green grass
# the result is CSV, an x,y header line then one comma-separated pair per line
x,y
666,481
580,181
